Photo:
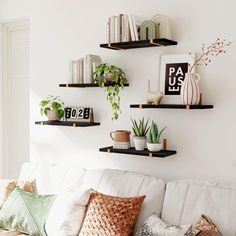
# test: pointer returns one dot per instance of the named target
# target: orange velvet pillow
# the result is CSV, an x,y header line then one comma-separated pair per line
x,y
108,215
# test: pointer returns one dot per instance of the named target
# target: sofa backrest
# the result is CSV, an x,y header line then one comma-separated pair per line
x,y
51,177
186,201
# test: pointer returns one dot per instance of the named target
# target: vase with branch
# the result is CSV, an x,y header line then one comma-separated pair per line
x,y
190,93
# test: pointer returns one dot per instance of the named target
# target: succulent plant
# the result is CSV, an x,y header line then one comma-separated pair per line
x,y
154,134
140,128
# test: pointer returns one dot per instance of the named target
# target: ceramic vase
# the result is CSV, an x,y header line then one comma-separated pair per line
x,y
190,93
139,142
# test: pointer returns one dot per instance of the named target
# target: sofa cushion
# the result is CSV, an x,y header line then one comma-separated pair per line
x,y
110,215
154,226
67,213
203,225
11,232
26,212
186,201
7,186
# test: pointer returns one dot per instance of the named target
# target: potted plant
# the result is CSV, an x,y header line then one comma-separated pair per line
x,y
114,78
52,107
153,138
140,130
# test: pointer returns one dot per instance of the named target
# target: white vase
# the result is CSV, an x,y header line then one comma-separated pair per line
x,y
52,116
154,147
139,142
190,93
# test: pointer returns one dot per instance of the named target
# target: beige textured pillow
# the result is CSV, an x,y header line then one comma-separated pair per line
x,y
7,186
108,215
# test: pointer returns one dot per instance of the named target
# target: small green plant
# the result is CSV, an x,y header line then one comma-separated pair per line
x,y
140,128
116,78
154,134
52,103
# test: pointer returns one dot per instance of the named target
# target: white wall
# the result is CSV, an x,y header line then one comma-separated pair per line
x,y
205,140
9,10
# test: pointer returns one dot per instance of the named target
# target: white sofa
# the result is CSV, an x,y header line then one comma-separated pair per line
x,y
177,202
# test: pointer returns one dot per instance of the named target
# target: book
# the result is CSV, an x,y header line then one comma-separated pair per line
x,y
92,59
122,27
85,72
117,29
74,72
112,29
131,27
137,21
80,70
108,32
127,35
70,75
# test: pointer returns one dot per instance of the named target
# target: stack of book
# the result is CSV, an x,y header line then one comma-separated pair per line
x,y
123,28
81,70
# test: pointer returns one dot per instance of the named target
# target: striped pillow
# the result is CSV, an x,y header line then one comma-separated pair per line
x,y
26,212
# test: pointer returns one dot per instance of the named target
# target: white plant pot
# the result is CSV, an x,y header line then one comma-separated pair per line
x,y
154,147
139,142
52,116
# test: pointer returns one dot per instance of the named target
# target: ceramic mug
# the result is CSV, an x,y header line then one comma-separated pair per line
x,y
120,136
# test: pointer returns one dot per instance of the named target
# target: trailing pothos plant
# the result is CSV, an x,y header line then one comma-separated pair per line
x,y
111,78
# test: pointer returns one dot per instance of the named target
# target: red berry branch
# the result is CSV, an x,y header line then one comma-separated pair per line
x,y
213,50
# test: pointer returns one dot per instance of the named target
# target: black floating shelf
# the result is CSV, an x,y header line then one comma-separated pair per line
x,y
68,123
163,42
87,85
171,106
132,151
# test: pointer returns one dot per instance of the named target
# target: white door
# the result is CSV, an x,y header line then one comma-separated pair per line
x,y
15,97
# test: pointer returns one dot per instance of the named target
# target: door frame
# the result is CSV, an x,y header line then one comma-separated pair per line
x,y
7,29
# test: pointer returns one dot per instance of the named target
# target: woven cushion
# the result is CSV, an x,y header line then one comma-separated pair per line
x,y
26,212
108,215
204,224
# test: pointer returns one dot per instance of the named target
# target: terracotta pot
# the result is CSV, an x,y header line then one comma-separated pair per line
x,y
120,136
52,116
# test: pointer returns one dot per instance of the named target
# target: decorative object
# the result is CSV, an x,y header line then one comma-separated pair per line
x,y
147,30
153,138
73,113
72,203
121,139
7,187
202,225
117,79
213,50
163,26
109,215
52,107
26,212
153,97
140,130
172,73
156,227
190,92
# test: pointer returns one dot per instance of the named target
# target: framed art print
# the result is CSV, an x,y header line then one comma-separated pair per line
x,y
172,72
